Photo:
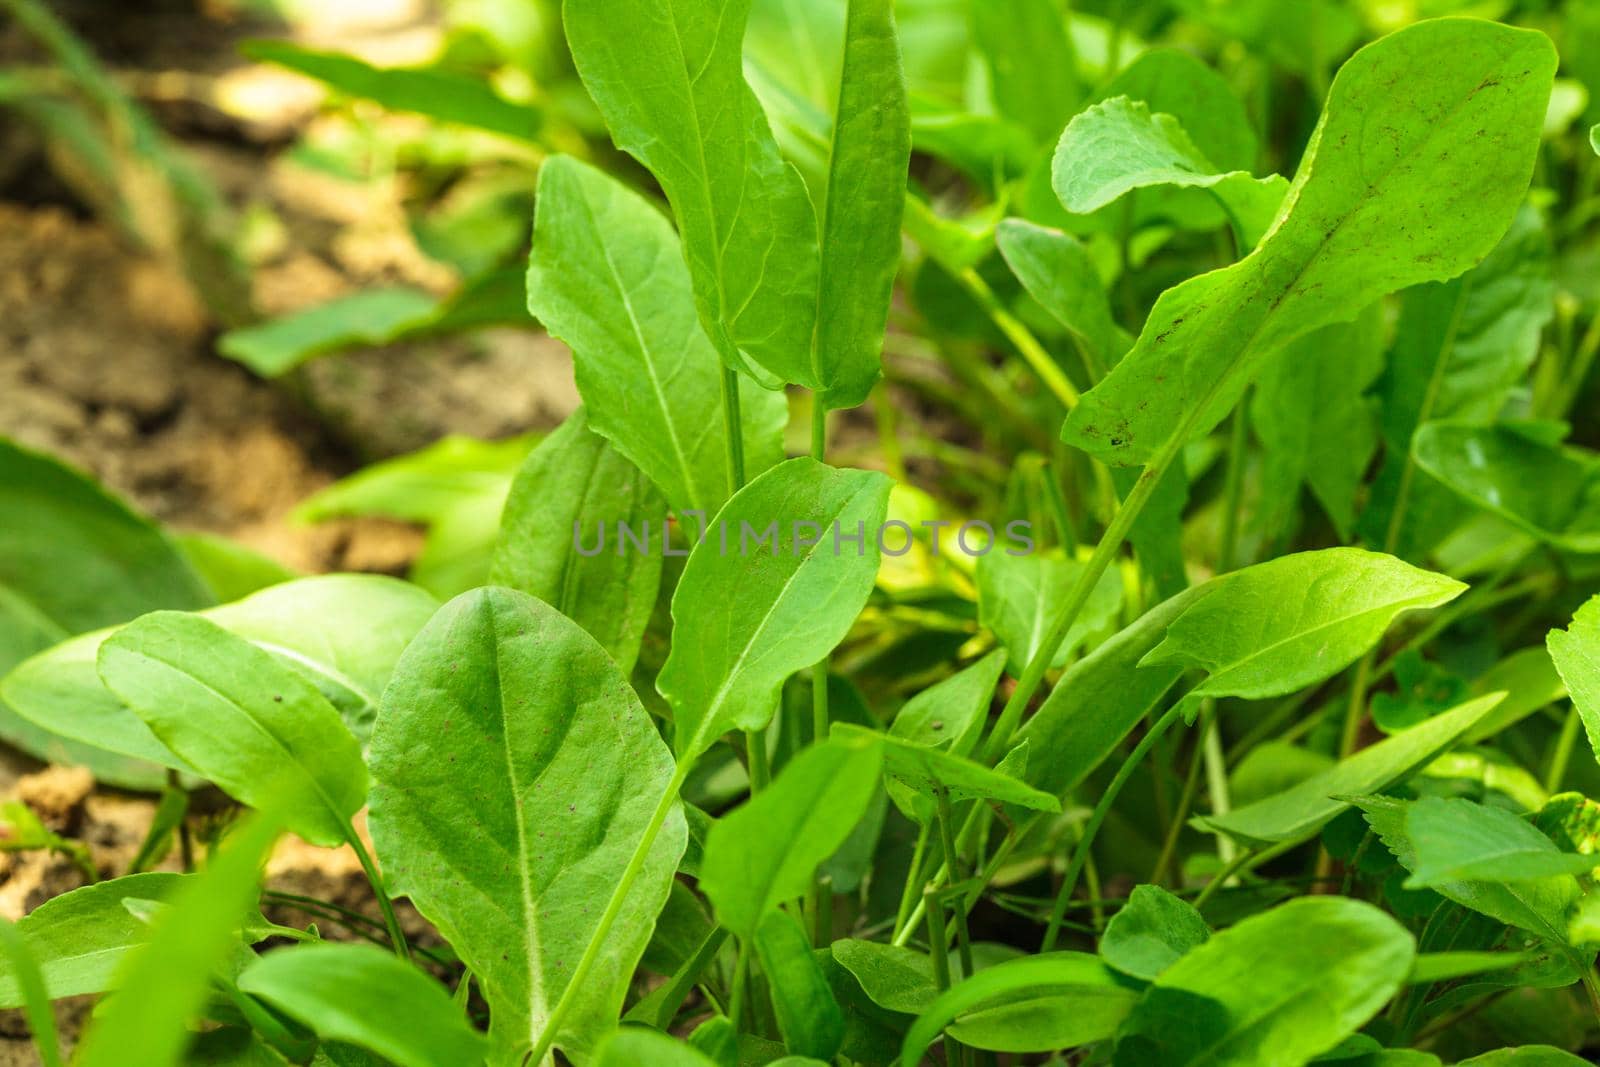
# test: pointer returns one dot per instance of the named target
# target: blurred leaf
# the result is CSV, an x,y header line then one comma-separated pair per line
x,y
367,317
1033,73
1017,596
437,93
808,1016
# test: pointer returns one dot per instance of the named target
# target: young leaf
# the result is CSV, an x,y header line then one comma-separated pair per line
x,y
79,939
1457,840
808,1016
1120,145
1056,270
1294,621
1576,651
928,771
165,984
1095,1002
749,612
606,275
1279,987
569,501
1173,81
764,852
262,732
673,93
515,777
1018,597
1526,1055
951,714
1395,189
363,996
1151,932
861,207
1303,809
1547,490
898,979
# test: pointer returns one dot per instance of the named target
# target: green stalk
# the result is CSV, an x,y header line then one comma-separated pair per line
x,y
903,919
1080,855
938,949
608,918
755,741
1104,552
1033,353
397,936
1563,754
952,859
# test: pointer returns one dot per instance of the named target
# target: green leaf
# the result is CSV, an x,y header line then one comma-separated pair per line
x,y
927,771
861,208
456,487
515,776
1151,932
262,732
1100,698
951,714
1539,906
1457,840
439,94
1072,997
808,1016
1279,987
899,979
1058,272
1525,1056
563,512
1547,490
1301,810
1033,73
607,276
343,632
672,91
1115,147
631,1046
81,558
80,938
1431,967
164,985
1018,597
1173,81
1315,423
1395,189
24,970
364,996
764,852
230,570
1463,345
747,616
368,317
1294,621
1576,652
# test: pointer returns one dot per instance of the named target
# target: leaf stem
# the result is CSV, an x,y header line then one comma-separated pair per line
x,y
952,859
397,936
608,918
1563,753
938,949
1033,353
1080,855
